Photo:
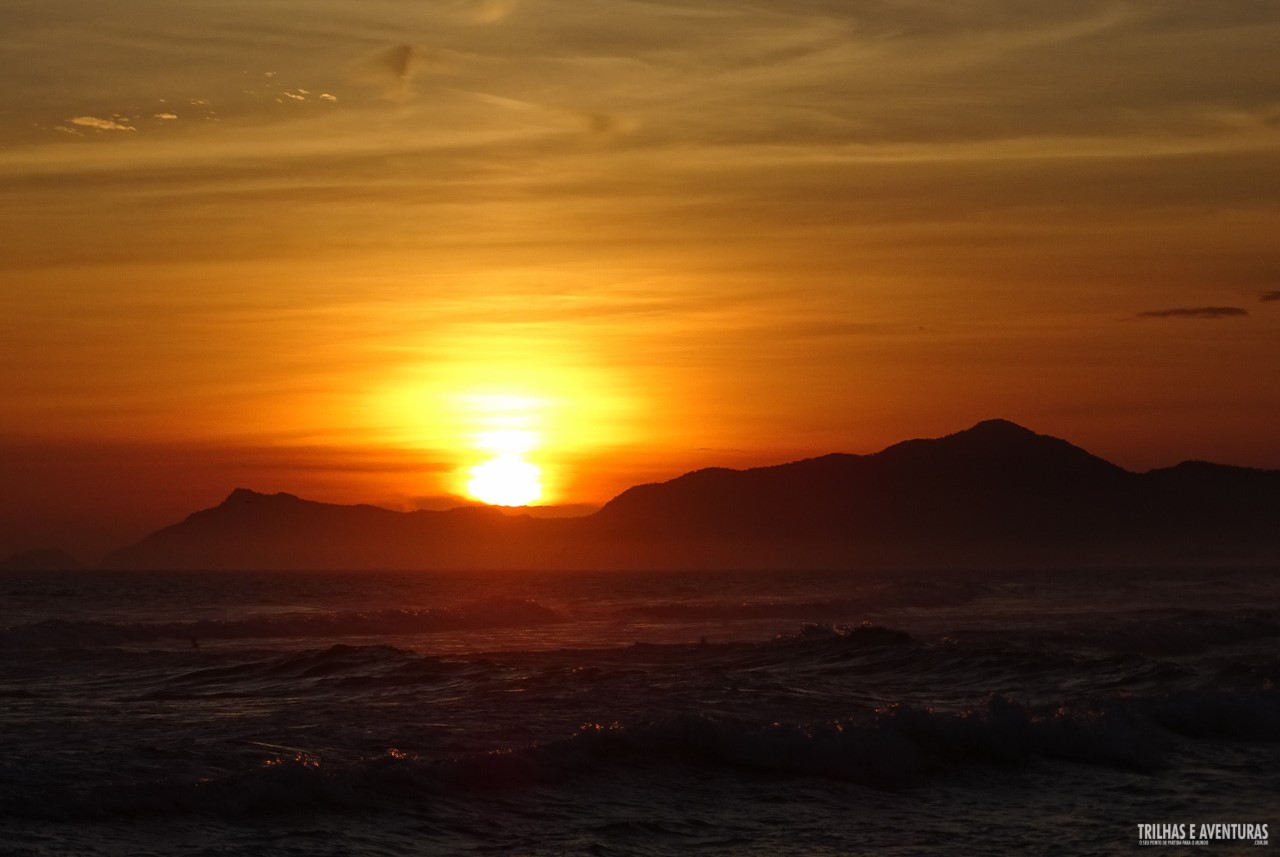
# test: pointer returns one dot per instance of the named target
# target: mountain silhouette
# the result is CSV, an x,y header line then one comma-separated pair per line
x,y
994,494
249,530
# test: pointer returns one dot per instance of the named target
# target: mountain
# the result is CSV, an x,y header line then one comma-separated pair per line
x,y
994,494
249,530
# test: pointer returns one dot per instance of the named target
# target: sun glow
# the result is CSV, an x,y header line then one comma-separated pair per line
x,y
507,480
506,429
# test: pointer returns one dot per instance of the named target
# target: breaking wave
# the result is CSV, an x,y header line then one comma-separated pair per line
x,y
892,748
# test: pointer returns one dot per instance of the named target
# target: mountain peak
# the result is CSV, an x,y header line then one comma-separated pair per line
x,y
993,435
998,426
241,496
1003,437
1006,452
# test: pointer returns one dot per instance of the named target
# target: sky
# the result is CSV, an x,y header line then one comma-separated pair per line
x,y
355,250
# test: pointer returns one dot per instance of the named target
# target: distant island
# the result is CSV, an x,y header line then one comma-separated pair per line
x,y
996,494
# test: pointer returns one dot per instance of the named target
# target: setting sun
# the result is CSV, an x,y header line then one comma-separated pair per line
x,y
506,427
508,431
507,480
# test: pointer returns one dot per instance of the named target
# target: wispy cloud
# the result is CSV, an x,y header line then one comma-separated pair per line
x,y
487,11
115,124
1196,312
392,69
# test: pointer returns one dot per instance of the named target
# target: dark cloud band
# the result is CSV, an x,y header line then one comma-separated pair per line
x,y
1196,312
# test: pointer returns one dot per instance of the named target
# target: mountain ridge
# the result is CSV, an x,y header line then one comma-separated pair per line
x,y
993,494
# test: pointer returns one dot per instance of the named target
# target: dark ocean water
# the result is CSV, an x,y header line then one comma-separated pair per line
x,y
646,714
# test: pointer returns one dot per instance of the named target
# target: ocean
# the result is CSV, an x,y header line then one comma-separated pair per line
x,y
822,713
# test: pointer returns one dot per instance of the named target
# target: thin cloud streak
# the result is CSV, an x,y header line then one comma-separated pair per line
x,y
1196,312
116,124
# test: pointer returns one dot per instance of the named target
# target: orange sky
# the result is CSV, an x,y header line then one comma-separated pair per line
x,y
300,245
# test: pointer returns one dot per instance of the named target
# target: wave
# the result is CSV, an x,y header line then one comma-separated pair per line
x,y
921,593
340,667
865,634
490,613
898,746
1166,634
892,748
1195,631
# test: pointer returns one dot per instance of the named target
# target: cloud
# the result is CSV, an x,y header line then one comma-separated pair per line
x,y
101,124
1196,312
487,11
392,68
1267,297
399,60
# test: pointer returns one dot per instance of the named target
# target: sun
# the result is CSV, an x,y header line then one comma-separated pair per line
x,y
508,428
507,480
501,420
